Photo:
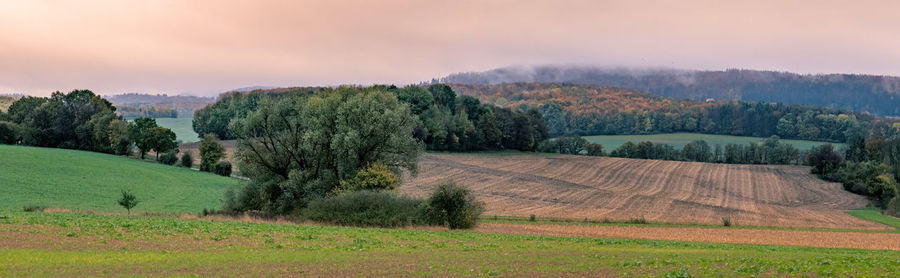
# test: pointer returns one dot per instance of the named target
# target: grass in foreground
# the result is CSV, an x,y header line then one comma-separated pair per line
x,y
678,140
94,181
876,215
88,245
644,223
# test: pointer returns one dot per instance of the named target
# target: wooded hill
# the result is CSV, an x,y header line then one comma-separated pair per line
x,y
591,110
861,93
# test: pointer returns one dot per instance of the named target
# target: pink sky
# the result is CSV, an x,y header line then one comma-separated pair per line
x,y
207,47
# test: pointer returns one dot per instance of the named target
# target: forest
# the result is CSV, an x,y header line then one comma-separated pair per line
x,y
861,93
593,110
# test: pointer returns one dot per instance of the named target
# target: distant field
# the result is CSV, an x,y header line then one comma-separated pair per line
x,y
79,245
93,181
597,188
678,140
181,126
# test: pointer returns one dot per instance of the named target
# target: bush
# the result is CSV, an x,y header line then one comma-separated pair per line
x,y
366,209
726,221
454,206
638,220
594,149
168,158
375,177
223,168
893,207
532,218
187,160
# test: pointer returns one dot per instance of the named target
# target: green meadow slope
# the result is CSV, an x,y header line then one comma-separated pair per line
x,y
93,181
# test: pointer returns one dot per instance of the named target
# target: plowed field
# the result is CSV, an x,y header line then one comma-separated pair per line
x,y
666,191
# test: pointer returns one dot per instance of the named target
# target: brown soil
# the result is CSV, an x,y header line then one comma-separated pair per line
x,y
666,191
874,241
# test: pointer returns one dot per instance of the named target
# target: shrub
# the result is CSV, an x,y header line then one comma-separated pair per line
x,y
187,160
366,209
168,158
34,208
893,207
454,206
638,220
375,177
594,149
223,168
532,218
726,221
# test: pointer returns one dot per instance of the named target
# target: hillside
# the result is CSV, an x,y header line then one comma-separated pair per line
x,y
862,93
87,180
621,189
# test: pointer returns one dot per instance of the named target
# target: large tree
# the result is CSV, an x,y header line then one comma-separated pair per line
x,y
141,132
162,140
302,147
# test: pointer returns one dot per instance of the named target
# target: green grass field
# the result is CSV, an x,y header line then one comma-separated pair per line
x,y
93,181
875,215
678,140
94,245
183,128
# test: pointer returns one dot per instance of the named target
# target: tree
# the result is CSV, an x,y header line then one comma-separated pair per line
x,y
211,151
128,200
140,131
162,140
300,148
443,96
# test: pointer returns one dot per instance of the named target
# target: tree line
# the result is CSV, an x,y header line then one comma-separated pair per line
x,y
81,120
444,121
769,151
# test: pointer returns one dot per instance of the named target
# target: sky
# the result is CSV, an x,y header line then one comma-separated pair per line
x,y
208,47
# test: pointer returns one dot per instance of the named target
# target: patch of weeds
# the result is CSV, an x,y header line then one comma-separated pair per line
x,y
638,220
34,208
678,273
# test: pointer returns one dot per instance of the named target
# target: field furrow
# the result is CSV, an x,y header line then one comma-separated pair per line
x,y
621,189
